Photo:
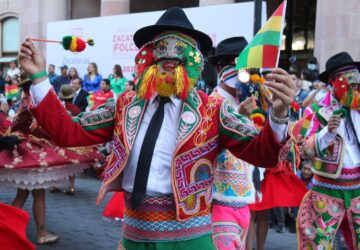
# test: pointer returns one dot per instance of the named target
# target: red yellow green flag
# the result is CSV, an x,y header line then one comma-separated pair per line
x,y
11,91
263,50
302,127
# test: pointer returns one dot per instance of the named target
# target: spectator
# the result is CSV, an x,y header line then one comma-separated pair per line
x,y
80,98
294,66
129,86
313,67
300,96
307,79
301,93
306,177
4,106
117,80
92,79
67,94
73,73
51,73
280,219
2,83
305,174
101,96
12,96
61,79
7,79
14,70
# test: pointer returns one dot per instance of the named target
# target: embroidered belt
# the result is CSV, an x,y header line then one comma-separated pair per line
x,y
349,179
234,204
155,221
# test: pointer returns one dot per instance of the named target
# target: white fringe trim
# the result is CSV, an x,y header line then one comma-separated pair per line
x,y
36,178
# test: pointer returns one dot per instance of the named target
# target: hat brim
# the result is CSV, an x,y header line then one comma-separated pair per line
x,y
324,76
215,59
66,97
146,34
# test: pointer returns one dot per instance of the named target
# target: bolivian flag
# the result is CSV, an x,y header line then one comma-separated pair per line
x,y
11,91
263,50
302,127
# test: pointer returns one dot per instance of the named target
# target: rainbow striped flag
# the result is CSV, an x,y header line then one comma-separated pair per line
x,y
11,91
263,50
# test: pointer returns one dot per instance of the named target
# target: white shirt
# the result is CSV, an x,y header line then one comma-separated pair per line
x,y
159,182
76,95
351,157
13,72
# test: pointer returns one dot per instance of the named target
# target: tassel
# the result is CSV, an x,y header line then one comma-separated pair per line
x,y
182,82
147,83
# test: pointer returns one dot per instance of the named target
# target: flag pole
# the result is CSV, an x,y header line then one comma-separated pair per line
x,y
282,31
257,15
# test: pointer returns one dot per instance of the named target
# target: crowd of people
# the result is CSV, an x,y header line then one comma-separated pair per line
x,y
198,170
90,91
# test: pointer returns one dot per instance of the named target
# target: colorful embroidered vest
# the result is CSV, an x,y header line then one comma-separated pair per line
x,y
328,162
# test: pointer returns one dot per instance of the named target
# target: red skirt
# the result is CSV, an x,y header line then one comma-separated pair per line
x,y
13,223
38,163
116,207
280,188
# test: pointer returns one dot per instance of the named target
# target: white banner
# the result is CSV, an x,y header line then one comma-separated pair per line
x,y
113,35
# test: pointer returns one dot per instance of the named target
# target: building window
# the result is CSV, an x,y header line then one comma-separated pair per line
x,y
10,35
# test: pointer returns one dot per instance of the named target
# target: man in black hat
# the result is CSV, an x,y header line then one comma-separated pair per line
x,y
164,139
333,143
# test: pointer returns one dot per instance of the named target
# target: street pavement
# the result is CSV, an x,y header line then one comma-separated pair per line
x,y
78,221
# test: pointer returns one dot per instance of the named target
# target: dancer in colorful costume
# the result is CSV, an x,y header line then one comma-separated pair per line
x,y
168,205
233,186
36,164
280,187
332,140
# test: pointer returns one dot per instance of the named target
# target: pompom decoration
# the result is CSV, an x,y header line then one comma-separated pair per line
x,y
72,43
75,44
258,117
255,78
342,112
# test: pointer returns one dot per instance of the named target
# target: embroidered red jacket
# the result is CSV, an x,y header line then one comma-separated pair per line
x,y
206,126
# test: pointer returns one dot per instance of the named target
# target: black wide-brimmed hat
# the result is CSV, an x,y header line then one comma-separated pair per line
x,y
228,49
335,62
173,19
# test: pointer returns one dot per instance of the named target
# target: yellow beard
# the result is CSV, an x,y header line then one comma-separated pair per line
x,y
165,83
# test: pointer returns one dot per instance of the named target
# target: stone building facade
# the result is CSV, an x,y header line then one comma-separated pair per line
x,y
337,22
